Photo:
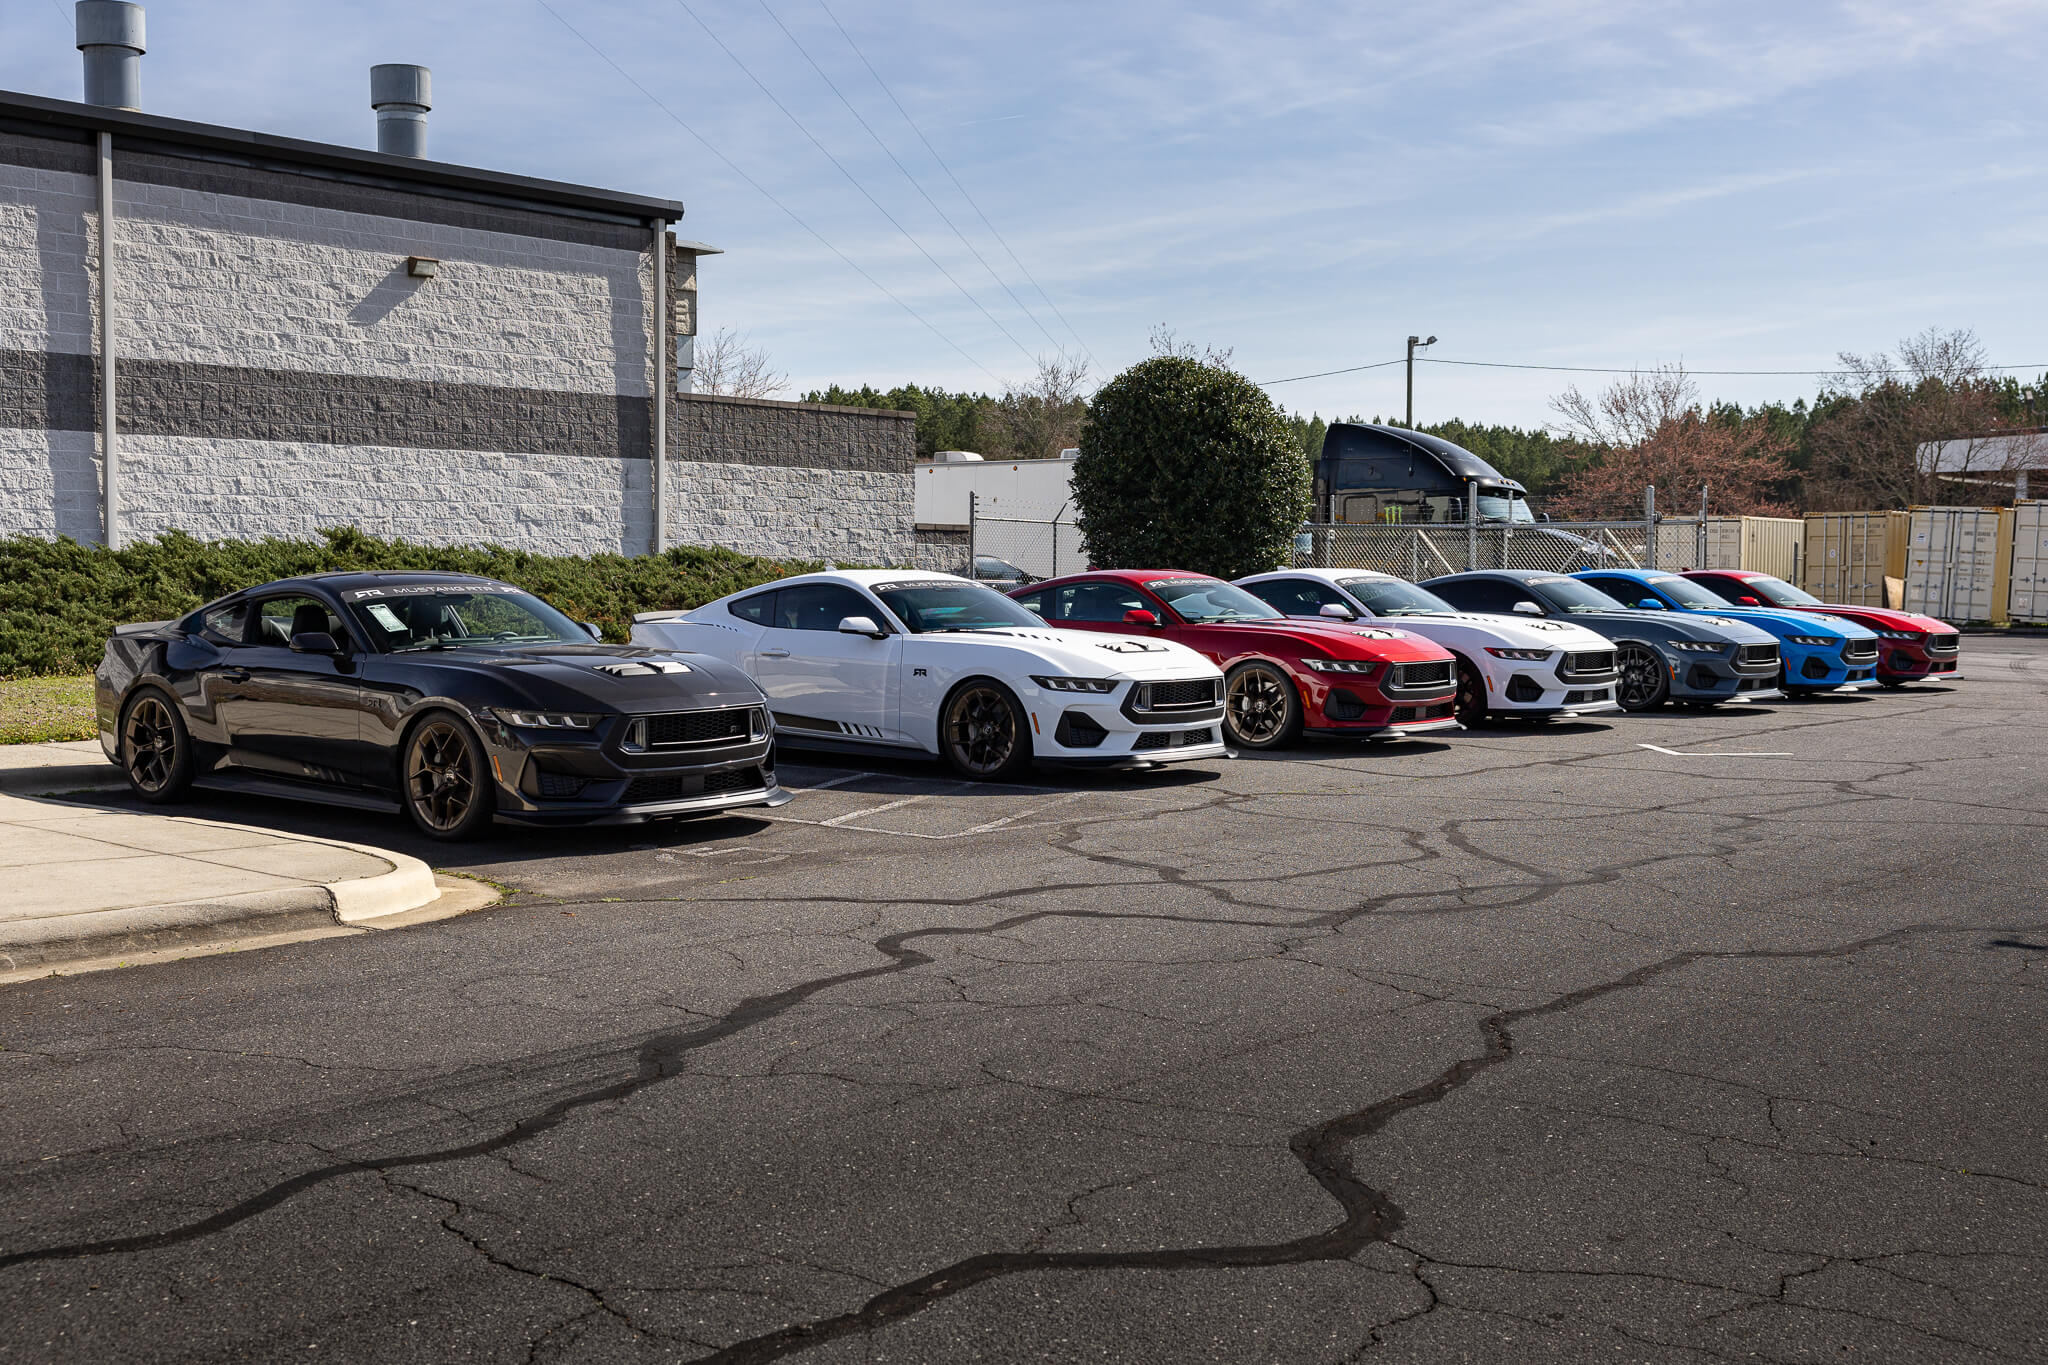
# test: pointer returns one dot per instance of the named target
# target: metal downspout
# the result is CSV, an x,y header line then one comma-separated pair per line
x,y
662,378
110,449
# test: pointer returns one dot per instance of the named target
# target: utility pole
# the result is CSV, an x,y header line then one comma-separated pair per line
x,y
1414,344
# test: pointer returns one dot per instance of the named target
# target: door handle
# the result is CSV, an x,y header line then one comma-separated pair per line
x,y
775,654
235,675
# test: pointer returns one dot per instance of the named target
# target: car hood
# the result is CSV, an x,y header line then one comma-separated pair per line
x,y
1510,632
1782,623
1884,618
624,678
1381,642
1076,653
1673,625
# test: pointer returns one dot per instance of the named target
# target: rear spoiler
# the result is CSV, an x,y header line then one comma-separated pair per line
x,y
141,628
646,617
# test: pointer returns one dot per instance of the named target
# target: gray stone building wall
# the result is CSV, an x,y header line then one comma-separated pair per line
x,y
280,371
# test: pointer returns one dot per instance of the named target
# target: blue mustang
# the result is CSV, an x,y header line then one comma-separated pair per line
x,y
1821,653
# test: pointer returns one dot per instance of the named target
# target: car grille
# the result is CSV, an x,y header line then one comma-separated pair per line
x,y
1424,675
1758,655
558,786
1440,711
643,791
1589,665
692,729
1944,644
1172,739
1587,694
1859,652
1189,695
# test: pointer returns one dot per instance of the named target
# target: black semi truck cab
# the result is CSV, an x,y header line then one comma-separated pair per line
x,y
1373,473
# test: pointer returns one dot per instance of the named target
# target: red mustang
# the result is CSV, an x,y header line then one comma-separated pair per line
x,y
1911,648
1283,676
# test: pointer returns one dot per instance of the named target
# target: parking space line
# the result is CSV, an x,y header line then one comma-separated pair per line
x,y
834,782
869,810
1007,819
1699,753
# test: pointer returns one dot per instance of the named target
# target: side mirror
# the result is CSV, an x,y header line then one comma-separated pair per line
x,y
1749,601
1649,604
1528,609
861,625
1338,610
316,642
596,631
1138,616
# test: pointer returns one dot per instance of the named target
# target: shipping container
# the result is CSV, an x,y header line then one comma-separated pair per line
x,y
1769,545
1844,558
2028,594
1952,562
1680,544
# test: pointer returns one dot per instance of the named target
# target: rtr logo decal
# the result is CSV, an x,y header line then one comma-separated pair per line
x,y
919,673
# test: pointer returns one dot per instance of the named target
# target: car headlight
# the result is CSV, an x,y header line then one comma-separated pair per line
x,y
1900,634
1696,646
1057,684
1533,656
1341,665
541,720
1813,639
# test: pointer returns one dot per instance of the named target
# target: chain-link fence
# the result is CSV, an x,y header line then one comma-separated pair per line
x,y
1417,552
1022,542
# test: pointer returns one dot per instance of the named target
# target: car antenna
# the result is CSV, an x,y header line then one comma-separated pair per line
x,y
830,567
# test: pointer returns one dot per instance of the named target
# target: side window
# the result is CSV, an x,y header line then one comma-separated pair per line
x,y
1101,603
280,618
1297,596
1624,590
1032,602
819,606
227,625
1484,594
1727,589
760,608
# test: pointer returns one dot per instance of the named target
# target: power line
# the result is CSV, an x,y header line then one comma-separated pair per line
x,y
943,215
794,216
1592,369
1377,365
853,180
971,203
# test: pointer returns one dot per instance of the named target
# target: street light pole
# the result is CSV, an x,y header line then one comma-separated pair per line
x,y
1414,344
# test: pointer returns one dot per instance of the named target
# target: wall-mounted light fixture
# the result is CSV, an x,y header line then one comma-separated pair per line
x,y
422,267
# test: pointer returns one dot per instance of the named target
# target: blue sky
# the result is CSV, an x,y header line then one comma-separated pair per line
x,y
1733,185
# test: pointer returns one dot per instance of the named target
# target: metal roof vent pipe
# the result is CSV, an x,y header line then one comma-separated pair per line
x,y
401,95
110,36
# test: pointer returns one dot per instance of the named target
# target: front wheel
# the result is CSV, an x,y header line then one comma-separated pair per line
x,y
1643,685
1471,703
446,792
981,733
1261,708
156,748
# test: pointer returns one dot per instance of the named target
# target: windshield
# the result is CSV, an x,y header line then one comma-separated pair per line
x,y
1687,593
1206,601
931,606
1504,505
1572,596
1392,597
1779,593
430,616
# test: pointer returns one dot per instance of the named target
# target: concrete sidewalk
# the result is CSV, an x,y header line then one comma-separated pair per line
x,y
82,883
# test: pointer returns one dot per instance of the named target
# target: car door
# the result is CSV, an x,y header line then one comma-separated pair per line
x,y
293,714
820,680
1096,604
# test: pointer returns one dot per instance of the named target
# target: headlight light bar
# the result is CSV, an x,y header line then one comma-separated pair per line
x,y
1342,665
1698,646
1064,684
1813,639
542,720
1900,634
1534,656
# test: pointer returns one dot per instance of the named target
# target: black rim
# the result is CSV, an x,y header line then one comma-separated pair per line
x,y
1641,677
1258,706
437,775
981,730
1469,708
151,739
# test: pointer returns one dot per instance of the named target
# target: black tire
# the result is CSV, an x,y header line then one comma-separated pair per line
x,y
1891,684
983,735
1261,707
1794,693
1644,684
443,780
1471,703
155,747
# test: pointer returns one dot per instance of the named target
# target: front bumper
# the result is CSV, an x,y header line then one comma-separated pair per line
x,y
1720,677
1363,707
1908,661
1820,669
555,778
1114,730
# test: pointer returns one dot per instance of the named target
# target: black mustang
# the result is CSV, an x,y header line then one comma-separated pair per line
x,y
458,698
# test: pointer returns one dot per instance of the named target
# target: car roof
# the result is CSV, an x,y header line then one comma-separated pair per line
x,y
344,580
1326,575
1138,576
1518,575
863,578
1639,575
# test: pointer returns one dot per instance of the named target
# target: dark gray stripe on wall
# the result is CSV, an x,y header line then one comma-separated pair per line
x,y
712,429
74,153
58,392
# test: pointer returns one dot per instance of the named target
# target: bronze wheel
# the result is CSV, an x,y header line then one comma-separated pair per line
x,y
444,780
1261,709
156,750
1644,684
982,731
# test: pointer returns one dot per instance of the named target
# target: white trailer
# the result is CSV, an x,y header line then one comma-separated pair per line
x,y
1023,509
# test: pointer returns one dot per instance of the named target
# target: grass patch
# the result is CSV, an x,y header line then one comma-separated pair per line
x,y
36,710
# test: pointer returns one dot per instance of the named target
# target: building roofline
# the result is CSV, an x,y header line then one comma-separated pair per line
x,y
373,167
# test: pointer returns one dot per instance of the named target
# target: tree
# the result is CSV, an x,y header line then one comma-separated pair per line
x,y
1650,429
1880,411
729,365
1187,465
1038,420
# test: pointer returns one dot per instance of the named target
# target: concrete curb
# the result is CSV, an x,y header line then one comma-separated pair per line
x,y
67,777
407,885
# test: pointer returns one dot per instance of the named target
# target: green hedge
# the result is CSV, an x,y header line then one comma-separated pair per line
x,y
59,599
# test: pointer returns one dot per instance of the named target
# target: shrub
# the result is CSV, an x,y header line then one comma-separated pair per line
x,y
59,599
1186,465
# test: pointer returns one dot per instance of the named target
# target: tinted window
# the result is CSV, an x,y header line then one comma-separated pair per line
x,y
1576,595
941,604
1687,593
760,608
1482,594
1297,596
428,615
1096,601
280,618
227,625
818,606
1202,600
1031,601
1623,590
1778,593
1393,597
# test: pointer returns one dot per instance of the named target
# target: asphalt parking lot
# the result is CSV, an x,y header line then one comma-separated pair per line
x,y
1690,1037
